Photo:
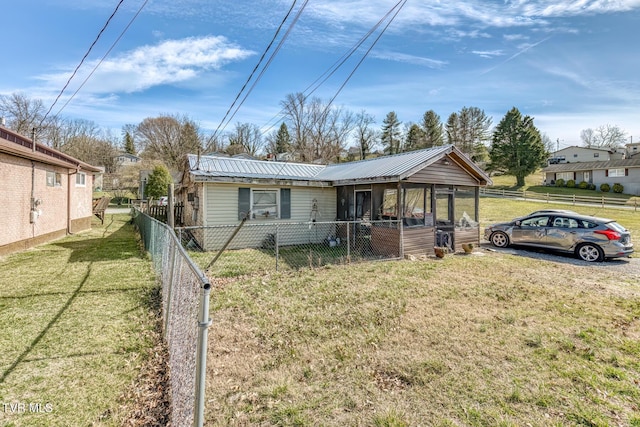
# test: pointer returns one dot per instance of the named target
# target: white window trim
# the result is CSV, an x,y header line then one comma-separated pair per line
x,y
84,180
278,207
56,179
616,173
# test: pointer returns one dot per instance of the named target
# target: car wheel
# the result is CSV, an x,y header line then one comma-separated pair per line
x,y
499,239
589,252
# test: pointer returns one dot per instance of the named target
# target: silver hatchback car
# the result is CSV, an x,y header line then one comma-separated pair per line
x,y
589,238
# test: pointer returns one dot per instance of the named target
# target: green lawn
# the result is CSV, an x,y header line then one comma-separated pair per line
x,y
488,339
77,324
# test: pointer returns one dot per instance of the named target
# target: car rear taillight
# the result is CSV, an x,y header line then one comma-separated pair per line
x,y
611,235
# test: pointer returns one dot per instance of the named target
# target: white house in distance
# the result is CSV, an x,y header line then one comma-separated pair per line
x,y
575,154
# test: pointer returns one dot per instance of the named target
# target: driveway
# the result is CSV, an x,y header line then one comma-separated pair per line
x,y
624,266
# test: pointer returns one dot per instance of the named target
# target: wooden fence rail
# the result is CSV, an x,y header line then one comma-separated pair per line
x,y
573,199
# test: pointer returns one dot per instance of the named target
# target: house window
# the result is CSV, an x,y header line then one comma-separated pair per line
x,y
614,173
81,179
575,155
587,176
264,204
54,179
465,207
596,154
564,175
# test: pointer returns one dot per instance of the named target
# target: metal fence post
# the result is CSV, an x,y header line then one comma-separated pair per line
x,y
401,238
277,246
348,242
204,321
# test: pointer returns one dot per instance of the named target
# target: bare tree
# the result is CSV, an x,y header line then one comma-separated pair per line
x,y
246,137
168,138
23,114
365,136
605,136
319,131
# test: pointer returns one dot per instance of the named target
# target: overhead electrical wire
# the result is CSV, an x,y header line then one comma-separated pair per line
x,y
342,60
81,61
113,45
222,124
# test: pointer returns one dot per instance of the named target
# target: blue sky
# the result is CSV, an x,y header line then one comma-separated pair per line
x,y
571,64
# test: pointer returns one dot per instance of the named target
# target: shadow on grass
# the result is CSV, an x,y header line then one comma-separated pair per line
x,y
116,245
120,244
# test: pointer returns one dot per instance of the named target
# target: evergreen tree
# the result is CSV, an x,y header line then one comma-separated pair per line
x,y
390,136
129,146
433,129
517,148
453,129
414,139
283,139
158,182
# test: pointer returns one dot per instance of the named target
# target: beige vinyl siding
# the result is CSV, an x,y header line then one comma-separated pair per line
x,y
221,204
302,204
221,207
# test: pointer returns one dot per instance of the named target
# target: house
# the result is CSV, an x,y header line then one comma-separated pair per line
x,y
46,194
632,150
580,154
126,159
431,194
625,172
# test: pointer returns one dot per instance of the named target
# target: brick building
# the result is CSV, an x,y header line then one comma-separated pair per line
x,y
45,195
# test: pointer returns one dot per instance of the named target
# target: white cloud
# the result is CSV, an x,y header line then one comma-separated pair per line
x,y
168,62
409,59
488,53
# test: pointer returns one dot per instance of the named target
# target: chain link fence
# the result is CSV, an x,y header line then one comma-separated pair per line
x,y
293,245
185,300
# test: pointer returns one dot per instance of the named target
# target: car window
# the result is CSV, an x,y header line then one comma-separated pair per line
x,y
587,224
561,222
537,221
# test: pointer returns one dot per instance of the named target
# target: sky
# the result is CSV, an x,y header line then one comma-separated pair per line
x,y
571,65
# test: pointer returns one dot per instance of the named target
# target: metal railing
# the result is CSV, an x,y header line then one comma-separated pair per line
x,y
631,203
185,309
293,245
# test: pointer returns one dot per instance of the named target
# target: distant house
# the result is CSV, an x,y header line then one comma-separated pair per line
x,y
625,172
430,192
632,150
126,159
575,154
45,195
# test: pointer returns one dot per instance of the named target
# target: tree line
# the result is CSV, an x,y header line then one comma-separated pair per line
x,y
313,130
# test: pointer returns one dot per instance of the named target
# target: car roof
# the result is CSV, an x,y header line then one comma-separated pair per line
x,y
570,214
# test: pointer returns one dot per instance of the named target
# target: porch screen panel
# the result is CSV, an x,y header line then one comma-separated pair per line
x,y
465,207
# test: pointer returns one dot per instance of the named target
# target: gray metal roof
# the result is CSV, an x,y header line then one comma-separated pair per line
x,y
385,167
581,166
216,166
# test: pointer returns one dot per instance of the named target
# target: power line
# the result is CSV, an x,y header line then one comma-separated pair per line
x,y
264,53
103,57
81,61
343,59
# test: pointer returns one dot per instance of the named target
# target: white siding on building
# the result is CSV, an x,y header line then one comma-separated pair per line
x,y
221,207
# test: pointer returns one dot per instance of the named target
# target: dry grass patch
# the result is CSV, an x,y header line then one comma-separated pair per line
x,y
468,340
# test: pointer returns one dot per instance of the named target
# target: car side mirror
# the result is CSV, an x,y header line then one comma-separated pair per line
x,y
518,223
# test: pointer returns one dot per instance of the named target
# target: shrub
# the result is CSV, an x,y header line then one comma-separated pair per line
x,y
591,186
605,187
571,183
560,182
583,185
618,188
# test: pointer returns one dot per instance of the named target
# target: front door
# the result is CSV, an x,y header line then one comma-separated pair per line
x,y
363,205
